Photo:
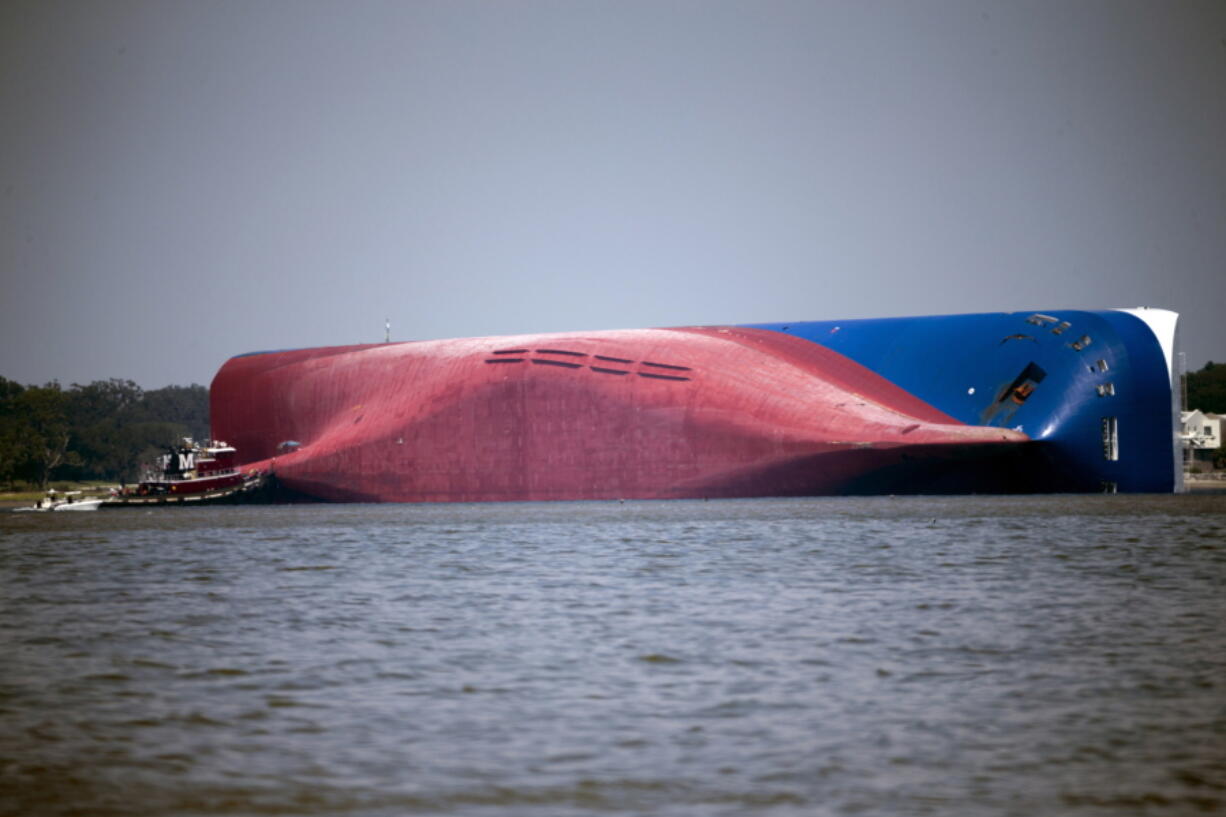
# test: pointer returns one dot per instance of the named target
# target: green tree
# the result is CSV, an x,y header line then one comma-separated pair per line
x,y
185,405
1207,389
15,450
117,426
102,430
100,414
102,400
45,410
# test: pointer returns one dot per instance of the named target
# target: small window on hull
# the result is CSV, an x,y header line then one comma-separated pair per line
x,y
1111,439
1081,343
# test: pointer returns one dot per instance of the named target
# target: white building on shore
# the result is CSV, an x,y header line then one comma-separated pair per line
x,y
1201,434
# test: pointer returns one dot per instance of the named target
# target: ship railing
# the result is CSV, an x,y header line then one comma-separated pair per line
x,y
207,475
220,472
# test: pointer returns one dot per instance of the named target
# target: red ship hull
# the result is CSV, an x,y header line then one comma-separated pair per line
x,y
661,413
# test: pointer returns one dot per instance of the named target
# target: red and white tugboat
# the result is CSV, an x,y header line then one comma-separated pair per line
x,y
192,473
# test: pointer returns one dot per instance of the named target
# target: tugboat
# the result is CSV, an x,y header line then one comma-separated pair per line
x,y
192,473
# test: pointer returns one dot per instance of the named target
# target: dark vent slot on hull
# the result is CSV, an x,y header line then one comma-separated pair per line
x,y
505,360
666,366
613,359
661,376
603,370
559,352
561,363
510,351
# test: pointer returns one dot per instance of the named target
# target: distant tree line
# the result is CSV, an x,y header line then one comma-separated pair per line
x,y
104,431
1207,389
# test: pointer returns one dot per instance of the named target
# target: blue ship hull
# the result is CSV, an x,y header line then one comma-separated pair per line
x,y
1096,391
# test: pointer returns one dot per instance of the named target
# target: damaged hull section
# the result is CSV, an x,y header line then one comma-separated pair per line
x,y
949,404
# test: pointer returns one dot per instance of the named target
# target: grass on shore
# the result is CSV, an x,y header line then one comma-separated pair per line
x,y
33,494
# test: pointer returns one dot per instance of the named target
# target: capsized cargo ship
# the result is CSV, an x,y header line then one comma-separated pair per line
x,y
1033,401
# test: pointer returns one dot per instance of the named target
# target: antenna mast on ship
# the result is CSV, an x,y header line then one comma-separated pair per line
x,y
387,330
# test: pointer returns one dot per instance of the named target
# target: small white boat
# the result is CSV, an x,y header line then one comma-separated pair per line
x,y
79,505
70,501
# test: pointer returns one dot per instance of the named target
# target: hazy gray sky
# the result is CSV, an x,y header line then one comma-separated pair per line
x,y
185,181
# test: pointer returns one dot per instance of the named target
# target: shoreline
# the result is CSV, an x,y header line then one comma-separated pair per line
x,y
1192,486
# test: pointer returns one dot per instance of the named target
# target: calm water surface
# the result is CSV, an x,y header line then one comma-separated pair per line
x,y
950,656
